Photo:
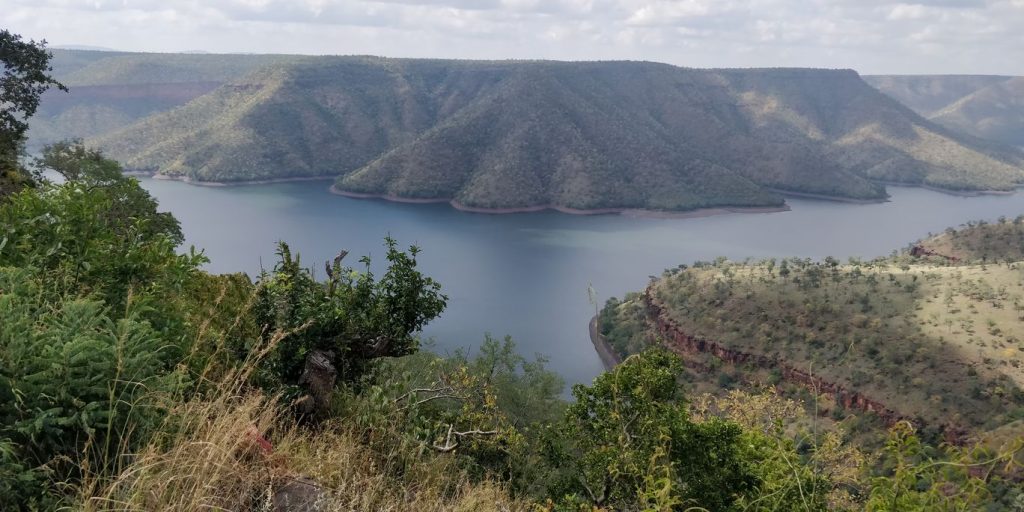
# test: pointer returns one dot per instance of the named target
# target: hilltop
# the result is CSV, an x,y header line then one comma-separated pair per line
x,y
928,338
985,106
977,242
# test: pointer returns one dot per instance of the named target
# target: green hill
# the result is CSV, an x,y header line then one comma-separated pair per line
x,y
978,242
580,135
932,340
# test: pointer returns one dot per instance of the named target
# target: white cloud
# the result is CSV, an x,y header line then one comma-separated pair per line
x,y
910,36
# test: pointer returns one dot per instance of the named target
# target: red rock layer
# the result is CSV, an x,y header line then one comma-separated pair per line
x,y
683,344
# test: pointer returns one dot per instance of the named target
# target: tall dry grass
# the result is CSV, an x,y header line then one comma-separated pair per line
x,y
207,455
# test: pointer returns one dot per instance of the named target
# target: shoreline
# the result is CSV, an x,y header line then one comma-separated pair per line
x,y
629,212
190,181
823,197
604,351
951,192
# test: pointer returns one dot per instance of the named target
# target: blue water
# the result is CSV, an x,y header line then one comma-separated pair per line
x,y
527,275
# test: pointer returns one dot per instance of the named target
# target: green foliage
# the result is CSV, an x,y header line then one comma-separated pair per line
x,y
628,443
26,76
94,239
486,412
624,325
915,481
92,325
74,382
353,317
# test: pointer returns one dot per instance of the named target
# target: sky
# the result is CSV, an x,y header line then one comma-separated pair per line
x,y
871,36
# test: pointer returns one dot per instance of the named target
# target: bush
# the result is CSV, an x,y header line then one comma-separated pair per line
x,y
350,320
76,385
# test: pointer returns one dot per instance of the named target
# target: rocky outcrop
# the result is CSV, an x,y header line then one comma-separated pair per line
x,y
679,341
300,495
920,251
609,358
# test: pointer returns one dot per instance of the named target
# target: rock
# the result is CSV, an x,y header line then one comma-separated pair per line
x,y
299,494
319,377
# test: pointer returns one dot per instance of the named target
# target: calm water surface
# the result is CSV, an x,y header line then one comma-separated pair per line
x,y
527,275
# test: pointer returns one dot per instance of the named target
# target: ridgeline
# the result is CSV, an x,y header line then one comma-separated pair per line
x,y
496,135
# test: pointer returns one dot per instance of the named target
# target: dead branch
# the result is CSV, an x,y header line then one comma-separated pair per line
x,y
454,438
442,392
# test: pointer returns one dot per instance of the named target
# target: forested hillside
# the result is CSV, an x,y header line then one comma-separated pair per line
x,y
928,94
508,134
995,112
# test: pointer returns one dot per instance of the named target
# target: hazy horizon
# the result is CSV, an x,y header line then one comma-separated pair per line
x,y
870,36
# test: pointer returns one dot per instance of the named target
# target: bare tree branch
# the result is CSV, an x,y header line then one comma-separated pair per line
x,y
450,445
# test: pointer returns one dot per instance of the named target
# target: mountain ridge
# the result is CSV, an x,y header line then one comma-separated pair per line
x,y
520,134
989,107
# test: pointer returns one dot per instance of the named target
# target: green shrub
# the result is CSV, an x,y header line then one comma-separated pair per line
x,y
75,382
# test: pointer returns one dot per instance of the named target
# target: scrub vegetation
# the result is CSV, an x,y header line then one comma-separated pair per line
x,y
131,379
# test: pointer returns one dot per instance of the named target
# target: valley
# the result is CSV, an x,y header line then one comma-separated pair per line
x,y
576,281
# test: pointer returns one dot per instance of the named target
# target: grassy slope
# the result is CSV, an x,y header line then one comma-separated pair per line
x,y
941,342
981,242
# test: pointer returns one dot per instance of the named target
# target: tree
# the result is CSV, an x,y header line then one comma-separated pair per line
x,y
75,386
89,239
628,443
26,68
129,203
337,327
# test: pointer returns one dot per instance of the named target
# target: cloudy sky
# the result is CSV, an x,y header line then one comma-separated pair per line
x,y
872,36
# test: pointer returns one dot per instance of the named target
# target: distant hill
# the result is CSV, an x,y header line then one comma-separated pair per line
x,y
508,134
112,89
989,107
927,94
995,112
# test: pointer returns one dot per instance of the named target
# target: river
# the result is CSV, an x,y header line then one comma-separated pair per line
x,y
527,275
